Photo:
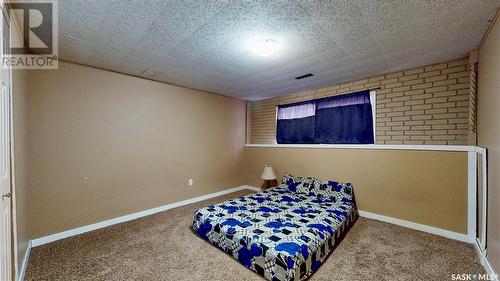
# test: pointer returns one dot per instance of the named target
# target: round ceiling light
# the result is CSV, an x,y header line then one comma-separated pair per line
x,y
265,47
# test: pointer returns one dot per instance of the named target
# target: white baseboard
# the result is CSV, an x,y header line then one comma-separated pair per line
x,y
22,270
483,258
489,269
421,227
72,232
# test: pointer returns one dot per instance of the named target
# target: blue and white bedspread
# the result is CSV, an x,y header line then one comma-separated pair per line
x,y
279,233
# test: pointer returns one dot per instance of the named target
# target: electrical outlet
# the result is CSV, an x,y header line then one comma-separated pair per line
x,y
190,182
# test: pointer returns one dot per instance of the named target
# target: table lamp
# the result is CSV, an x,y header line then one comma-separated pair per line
x,y
269,177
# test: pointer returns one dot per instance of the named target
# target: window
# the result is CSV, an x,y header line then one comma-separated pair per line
x,y
343,119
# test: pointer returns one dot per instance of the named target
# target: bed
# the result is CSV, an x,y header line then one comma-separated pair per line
x,y
282,233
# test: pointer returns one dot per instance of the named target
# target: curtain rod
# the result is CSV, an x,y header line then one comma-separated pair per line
x,y
371,89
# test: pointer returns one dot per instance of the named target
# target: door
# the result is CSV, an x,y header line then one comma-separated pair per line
x,y
5,184
5,192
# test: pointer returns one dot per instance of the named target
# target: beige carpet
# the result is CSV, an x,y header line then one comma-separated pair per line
x,y
163,247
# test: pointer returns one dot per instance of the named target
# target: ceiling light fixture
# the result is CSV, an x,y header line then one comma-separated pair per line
x,y
265,47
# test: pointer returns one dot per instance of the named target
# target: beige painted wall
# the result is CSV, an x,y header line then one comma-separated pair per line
x,y
20,101
489,133
426,187
104,144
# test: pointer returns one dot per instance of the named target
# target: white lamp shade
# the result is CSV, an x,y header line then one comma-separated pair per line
x,y
268,173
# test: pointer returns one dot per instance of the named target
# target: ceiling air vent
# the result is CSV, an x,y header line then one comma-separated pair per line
x,y
304,76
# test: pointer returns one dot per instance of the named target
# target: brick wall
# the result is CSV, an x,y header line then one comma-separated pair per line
x,y
425,105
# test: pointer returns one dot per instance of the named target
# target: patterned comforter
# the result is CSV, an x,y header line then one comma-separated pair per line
x,y
279,233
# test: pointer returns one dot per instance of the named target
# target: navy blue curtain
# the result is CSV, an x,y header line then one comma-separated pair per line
x,y
300,130
344,119
296,123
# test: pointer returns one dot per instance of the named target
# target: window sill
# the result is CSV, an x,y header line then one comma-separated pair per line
x,y
467,148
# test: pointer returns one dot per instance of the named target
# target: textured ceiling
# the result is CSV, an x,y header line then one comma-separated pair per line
x,y
203,44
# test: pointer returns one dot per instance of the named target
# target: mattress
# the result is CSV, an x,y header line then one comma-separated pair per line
x,y
278,233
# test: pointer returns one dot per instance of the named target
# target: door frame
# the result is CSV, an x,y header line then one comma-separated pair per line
x,y
13,223
13,204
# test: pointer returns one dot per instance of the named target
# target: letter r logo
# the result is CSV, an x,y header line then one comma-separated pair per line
x,y
34,22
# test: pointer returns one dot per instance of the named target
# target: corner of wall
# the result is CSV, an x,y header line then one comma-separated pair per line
x,y
472,134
